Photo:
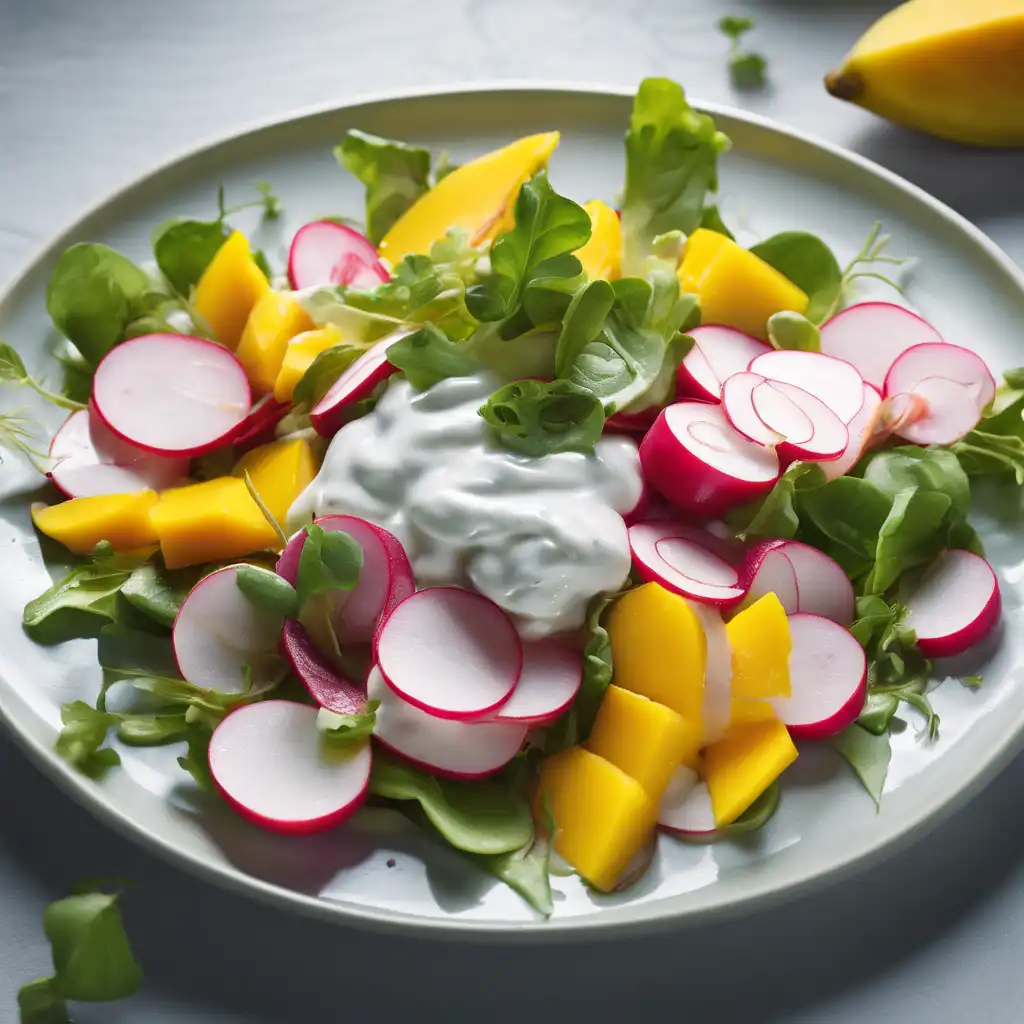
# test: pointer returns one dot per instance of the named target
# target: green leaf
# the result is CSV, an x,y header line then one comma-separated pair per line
x,y
527,871
868,755
272,206
972,682
748,70
758,814
330,560
185,248
152,730
983,454
775,515
810,264
711,220
267,590
583,323
789,330
159,593
39,1002
342,732
81,740
910,536
734,27
429,356
323,372
933,469
879,710
11,366
895,663
197,760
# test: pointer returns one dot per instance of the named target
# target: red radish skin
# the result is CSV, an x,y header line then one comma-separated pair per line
x,y
685,809
171,394
718,353
828,674
631,422
258,427
950,362
451,653
716,708
267,761
738,405
767,570
326,253
356,383
834,381
860,432
955,605
823,588
326,685
548,684
694,457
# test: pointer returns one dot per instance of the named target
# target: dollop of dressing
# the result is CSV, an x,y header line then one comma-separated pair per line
x,y
538,536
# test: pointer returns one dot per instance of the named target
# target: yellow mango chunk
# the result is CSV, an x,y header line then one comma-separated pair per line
x,y
742,710
229,288
701,248
648,741
82,523
602,816
210,522
760,650
659,649
602,255
739,768
475,196
299,354
274,321
280,472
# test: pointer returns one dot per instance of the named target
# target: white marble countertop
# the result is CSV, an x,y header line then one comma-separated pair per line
x,y
93,93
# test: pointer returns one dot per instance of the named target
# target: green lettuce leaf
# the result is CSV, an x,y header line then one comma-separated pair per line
x,y
810,264
428,356
80,741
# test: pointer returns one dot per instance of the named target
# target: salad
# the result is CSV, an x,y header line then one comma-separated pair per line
x,y
553,527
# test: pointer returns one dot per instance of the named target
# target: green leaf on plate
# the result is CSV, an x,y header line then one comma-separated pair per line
x,y
810,264
867,755
428,356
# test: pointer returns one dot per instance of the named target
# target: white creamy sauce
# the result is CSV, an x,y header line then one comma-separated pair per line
x,y
539,536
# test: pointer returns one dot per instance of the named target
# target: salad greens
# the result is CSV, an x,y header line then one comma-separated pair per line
x,y
428,356
12,371
747,69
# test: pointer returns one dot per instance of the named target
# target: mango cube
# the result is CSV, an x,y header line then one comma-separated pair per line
x,y
280,472
229,288
274,321
602,816
602,255
80,524
760,650
701,248
299,354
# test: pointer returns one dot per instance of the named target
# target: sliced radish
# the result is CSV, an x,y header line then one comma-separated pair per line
x,y
172,394
548,684
461,750
631,422
355,384
872,335
828,673
326,685
90,460
685,808
716,707
738,405
452,653
767,570
822,584
860,430
325,253
695,458
937,411
940,360
717,354
684,560
955,604
268,762
833,381
828,436
219,635
258,427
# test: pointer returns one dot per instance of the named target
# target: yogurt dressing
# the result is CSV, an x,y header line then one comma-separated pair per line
x,y
538,536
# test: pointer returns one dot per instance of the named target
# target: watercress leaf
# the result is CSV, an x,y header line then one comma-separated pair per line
x,y
776,515
850,512
972,682
758,814
158,592
76,378
983,454
428,356
330,560
790,330
734,26
894,660
810,264
184,249
748,70
131,652
868,755
341,732
711,220
879,709
39,1002
527,871
323,372
1014,377
933,469
267,590
12,368
583,322
81,739
152,730
272,205
197,760
910,536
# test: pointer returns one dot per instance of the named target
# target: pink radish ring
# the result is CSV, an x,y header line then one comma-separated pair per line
x,y
548,684
326,253
326,685
356,383
834,381
717,353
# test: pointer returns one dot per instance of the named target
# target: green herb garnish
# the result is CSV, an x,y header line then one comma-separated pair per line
x,y
747,69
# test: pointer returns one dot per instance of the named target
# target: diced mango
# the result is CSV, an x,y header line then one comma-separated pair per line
x,y
701,248
229,288
602,816
475,196
659,649
274,321
760,650
82,523
742,710
299,354
209,522
739,768
648,741
280,472
602,255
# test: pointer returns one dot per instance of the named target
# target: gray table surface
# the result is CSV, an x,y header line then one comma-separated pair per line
x,y
91,94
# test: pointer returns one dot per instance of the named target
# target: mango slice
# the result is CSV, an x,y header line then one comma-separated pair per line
x,y
210,522
274,321
280,472
475,196
760,650
701,248
229,288
299,354
602,255
81,523
602,816
740,767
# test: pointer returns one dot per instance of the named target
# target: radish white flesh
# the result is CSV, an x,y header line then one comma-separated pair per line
x,y
828,673
218,632
268,762
258,427
718,353
872,335
684,560
767,570
325,253
462,750
694,457
355,384
738,405
326,685
860,431
823,587
937,411
833,381
90,460
828,436
686,806
548,684
940,360
452,653
716,708
172,394
955,604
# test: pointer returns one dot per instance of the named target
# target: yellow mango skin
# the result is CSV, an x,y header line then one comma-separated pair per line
x,y
602,816
648,741
229,288
659,649
209,522
475,196
81,523
701,248
274,321
760,650
280,472
740,767
602,255
952,68
299,354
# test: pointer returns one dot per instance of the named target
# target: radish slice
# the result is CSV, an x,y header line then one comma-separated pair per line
x,y
324,253
822,585
738,405
89,460
937,411
269,765
941,360
695,458
548,684
686,806
717,354
872,335
452,653
767,570
716,708
834,381
460,750
860,431
355,384
828,435
171,394
684,560
258,427
955,605
326,685
828,673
